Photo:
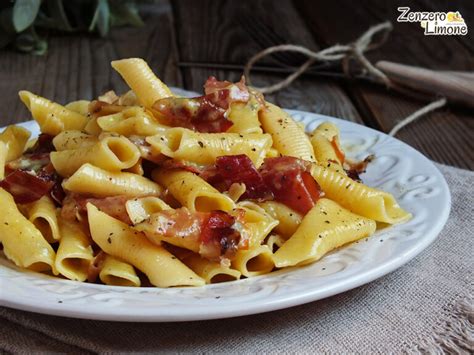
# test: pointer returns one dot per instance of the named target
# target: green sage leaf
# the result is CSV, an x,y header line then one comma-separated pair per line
x,y
125,13
24,13
101,18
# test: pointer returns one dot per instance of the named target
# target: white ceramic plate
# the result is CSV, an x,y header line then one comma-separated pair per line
x,y
416,183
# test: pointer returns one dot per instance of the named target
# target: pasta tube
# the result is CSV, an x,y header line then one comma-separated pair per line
x,y
192,191
137,169
43,214
14,139
118,273
328,130
359,198
131,121
140,209
139,77
327,149
68,140
92,127
119,240
74,253
204,148
110,153
211,272
258,224
289,220
89,179
254,262
244,117
22,241
79,106
325,227
52,117
288,137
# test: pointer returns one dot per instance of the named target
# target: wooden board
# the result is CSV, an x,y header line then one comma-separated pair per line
x,y
78,66
232,32
445,136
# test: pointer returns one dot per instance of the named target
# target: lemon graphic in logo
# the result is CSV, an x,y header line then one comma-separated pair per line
x,y
454,17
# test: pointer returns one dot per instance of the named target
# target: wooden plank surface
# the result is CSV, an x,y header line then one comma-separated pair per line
x,y
446,135
232,32
78,66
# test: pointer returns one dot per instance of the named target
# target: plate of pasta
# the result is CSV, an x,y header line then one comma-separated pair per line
x,y
164,205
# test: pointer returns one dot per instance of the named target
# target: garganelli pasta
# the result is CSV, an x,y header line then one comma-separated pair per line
x,y
148,188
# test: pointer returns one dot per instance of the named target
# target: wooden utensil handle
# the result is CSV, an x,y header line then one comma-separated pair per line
x,y
457,87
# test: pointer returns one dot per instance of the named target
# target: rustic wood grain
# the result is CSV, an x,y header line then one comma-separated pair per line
x,y
445,136
229,32
466,8
78,66
342,22
233,31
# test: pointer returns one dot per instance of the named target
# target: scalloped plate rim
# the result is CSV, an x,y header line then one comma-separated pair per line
x,y
219,308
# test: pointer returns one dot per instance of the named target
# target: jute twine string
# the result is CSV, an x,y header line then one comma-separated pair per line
x,y
342,52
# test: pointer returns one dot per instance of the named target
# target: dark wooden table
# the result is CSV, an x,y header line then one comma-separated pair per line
x,y
185,41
